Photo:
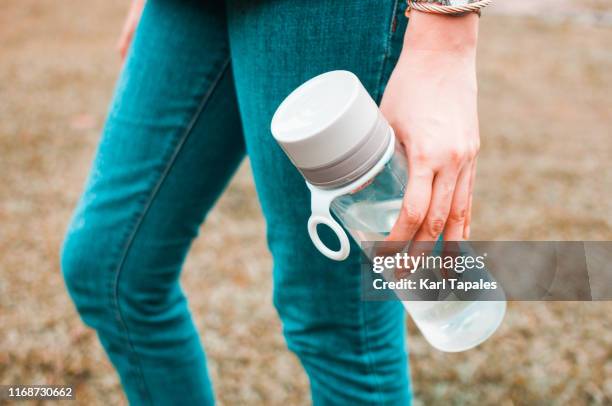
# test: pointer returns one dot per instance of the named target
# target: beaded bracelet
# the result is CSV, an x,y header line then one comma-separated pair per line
x,y
429,6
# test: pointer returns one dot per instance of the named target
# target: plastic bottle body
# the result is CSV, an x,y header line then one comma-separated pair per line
x,y
368,213
335,135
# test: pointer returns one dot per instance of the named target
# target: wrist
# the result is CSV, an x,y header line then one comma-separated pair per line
x,y
436,32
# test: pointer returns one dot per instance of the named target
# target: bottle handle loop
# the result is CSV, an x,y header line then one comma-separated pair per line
x,y
345,248
320,203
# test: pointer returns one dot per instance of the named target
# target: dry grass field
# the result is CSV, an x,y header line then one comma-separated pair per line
x,y
545,172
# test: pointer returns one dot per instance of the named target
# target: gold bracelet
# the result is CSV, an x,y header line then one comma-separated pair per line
x,y
429,7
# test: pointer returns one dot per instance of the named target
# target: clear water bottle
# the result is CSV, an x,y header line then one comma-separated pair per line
x,y
334,133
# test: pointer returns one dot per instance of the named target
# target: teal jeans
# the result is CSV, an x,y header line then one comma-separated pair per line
x,y
197,94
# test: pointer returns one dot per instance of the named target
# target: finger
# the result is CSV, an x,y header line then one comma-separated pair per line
x,y
440,206
456,218
121,48
468,220
126,45
129,26
122,43
415,204
468,217
125,40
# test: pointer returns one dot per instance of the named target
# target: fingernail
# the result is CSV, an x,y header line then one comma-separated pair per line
x,y
466,234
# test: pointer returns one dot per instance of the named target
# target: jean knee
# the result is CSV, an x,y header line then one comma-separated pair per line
x,y
312,329
83,274
294,327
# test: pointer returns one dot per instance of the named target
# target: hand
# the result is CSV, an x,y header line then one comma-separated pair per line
x,y
129,26
431,103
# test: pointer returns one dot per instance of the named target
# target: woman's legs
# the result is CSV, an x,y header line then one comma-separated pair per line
x,y
171,142
353,351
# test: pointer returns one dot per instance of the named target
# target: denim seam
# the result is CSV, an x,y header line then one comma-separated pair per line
x,y
140,218
387,50
370,360
368,350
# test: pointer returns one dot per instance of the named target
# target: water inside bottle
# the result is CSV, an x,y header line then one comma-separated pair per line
x,y
372,220
450,325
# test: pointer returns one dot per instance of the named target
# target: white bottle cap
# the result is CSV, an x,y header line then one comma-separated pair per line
x,y
331,129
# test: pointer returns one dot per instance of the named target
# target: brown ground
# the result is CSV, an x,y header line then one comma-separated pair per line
x,y
544,173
